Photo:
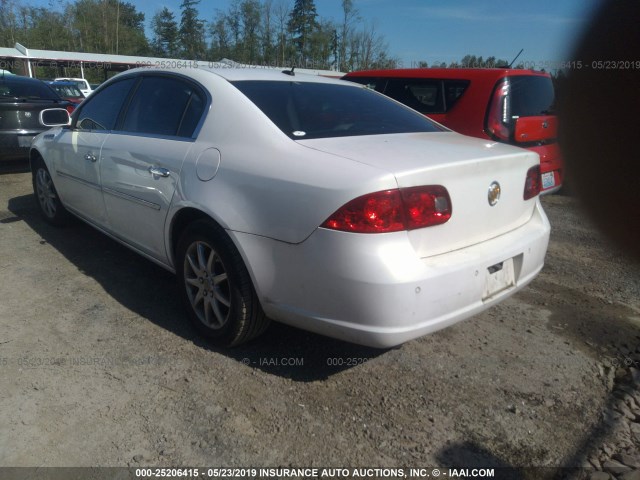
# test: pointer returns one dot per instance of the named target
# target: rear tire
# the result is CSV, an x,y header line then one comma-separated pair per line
x,y
47,197
216,287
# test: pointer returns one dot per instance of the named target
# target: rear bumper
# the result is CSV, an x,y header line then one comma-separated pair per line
x,y
552,165
374,290
15,145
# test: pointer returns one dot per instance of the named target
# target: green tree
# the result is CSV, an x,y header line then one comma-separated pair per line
x,y
192,31
165,30
302,24
220,39
250,14
109,26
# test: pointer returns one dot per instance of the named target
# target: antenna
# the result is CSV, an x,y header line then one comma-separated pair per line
x,y
521,50
290,72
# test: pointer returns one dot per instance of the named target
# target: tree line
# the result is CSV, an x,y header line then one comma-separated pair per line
x,y
258,32
269,32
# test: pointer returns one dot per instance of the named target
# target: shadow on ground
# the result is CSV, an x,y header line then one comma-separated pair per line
x,y
151,292
14,166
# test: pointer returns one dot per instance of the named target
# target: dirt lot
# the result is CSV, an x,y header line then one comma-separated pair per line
x,y
99,368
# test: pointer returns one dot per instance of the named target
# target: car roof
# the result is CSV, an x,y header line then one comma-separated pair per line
x,y
19,79
240,74
448,73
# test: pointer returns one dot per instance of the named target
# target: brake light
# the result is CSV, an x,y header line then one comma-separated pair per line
x,y
499,124
533,183
70,108
393,210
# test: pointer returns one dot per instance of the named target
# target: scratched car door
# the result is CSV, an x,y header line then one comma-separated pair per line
x,y
77,164
142,161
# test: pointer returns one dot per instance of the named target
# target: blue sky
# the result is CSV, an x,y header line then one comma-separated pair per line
x,y
446,30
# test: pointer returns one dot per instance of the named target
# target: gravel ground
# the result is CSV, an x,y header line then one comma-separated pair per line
x,y
100,368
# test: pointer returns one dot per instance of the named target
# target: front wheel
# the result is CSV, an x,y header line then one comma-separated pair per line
x,y
49,202
216,286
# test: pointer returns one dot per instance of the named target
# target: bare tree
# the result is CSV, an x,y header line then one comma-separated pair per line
x,y
282,12
350,16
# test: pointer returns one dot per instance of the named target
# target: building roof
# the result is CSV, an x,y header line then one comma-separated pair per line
x,y
21,58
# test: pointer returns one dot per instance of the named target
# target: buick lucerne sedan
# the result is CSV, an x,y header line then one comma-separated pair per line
x,y
314,202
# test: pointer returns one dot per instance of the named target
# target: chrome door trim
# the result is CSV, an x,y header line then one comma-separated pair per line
x,y
131,198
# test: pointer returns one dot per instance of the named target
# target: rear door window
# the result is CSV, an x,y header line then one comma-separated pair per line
x,y
165,106
426,95
453,91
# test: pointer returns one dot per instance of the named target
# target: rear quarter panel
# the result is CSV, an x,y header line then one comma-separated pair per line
x,y
266,183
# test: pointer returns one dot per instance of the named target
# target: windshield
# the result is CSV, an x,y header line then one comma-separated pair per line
x,y
532,96
304,110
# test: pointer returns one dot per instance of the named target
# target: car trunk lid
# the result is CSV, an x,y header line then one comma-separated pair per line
x,y
16,114
465,166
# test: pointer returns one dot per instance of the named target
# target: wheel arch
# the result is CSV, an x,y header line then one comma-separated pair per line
x,y
187,215
179,222
34,156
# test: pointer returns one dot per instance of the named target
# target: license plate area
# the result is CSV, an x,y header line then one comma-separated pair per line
x,y
498,277
25,141
548,180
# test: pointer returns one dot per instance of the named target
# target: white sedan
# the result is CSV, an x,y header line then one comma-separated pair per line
x,y
310,201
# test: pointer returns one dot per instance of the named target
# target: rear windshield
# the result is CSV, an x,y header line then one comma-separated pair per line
x,y
68,90
32,90
531,96
317,110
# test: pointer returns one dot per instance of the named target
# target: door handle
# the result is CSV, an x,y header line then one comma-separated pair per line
x,y
159,171
90,157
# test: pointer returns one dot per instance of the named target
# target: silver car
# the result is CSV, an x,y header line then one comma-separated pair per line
x,y
310,201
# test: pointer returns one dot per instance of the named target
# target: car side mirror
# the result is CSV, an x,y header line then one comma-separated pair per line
x,y
55,117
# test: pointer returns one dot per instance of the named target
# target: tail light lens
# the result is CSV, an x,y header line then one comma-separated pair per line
x,y
533,183
393,210
70,108
499,124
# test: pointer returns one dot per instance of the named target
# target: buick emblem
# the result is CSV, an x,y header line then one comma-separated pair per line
x,y
494,193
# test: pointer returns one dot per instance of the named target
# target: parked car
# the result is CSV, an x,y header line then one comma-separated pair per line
x,y
82,83
512,106
315,202
22,100
67,90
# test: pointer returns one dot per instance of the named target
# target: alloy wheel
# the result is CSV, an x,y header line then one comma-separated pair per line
x,y
46,193
207,284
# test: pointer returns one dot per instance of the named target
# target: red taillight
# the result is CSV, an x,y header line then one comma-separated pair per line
x,y
393,210
70,108
499,124
533,183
